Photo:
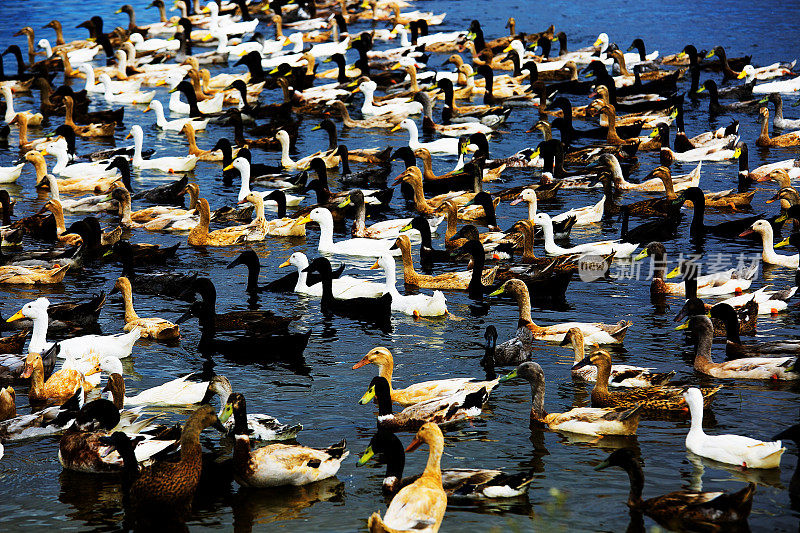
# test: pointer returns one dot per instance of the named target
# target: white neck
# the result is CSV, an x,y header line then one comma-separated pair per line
x,y
413,135
550,245
137,150
222,46
9,104
244,190
38,341
391,276
325,232
161,120
48,50
90,81
53,182
404,42
298,47
61,161
696,412
367,105
532,207
302,278
122,62
460,162
286,161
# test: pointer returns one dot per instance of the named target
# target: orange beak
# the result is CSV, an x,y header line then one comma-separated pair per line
x,y
364,361
414,444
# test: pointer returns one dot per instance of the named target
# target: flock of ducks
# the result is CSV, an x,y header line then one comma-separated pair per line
x,y
160,466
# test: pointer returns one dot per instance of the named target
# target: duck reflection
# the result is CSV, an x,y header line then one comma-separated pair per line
x,y
95,500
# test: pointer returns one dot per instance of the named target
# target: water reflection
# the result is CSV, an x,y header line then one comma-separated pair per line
x,y
760,476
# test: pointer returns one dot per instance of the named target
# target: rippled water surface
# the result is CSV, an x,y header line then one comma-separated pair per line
x,y
322,393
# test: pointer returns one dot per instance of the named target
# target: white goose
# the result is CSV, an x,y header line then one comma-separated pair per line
x,y
176,124
344,287
127,97
415,305
620,249
169,164
119,346
448,145
357,246
729,449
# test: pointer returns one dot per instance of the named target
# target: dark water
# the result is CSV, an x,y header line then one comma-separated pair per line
x,y
567,493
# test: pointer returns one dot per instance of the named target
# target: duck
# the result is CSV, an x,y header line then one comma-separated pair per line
x,y
582,420
370,109
179,391
456,482
117,86
768,254
355,247
683,509
76,177
766,302
127,97
594,332
193,108
421,505
386,229
119,346
383,121
88,130
443,411
715,108
375,310
787,139
176,124
618,248
166,484
200,236
343,287
59,387
621,375
277,465
33,119
243,166
728,449
448,146
698,228
26,144
449,280
770,368
563,222
151,328
658,398
415,305
424,391
169,164
157,218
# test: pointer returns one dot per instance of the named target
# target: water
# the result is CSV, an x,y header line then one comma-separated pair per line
x,y
567,493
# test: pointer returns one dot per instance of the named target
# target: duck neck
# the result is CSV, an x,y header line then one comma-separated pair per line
x,y
533,207
189,130
763,138
137,151
578,347
538,412
421,203
636,479
768,250
603,375
125,207
191,451
409,274
199,234
696,412
611,117
669,187
59,33
37,380
433,471
475,287
253,269
702,350
391,285
286,161
528,255
524,308
326,234
697,226
39,335
452,222
22,124
360,221
127,297
427,167
58,215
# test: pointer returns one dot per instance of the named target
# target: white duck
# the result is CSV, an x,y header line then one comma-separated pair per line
x,y
152,45
631,58
10,174
293,57
227,26
86,204
126,97
176,124
116,86
768,254
583,215
119,346
620,249
34,119
76,170
415,305
398,106
79,55
769,302
448,145
176,105
170,164
787,87
357,246
179,391
243,166
344,287
729,449
775,70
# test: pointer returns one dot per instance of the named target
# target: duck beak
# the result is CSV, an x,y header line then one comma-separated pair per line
x,y
305,220
641,255
511,375
344,203
366,456
746,232
414,444
653,134
207,37
44,152
499,291
146,109
675,272
228,167
406,227
685,325
681,55
508,48
784,242
375,265
396,128
226,413
586,361
710,54
597,42
364,361
781,218
737,153
368,396
128,136
16,316
285,264
741,75
605,464
516,200
701,89
396,66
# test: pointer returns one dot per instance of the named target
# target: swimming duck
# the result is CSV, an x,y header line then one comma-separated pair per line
x,y
778,368
386,229
421,505
243,166
621,375
449,280
370,109
582,420
377,310
173,125
200,236
768,254
456,482
443,410
415,305
169,164
33,119
683,509
179,391
153,328
59,387
659,398
357,246
448,146
166,484
383,121
127,97
419,392
729,449
343,287
618,248
75,347
278,465
787,139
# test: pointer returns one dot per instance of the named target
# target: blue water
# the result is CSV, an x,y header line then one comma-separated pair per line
x,y
567,493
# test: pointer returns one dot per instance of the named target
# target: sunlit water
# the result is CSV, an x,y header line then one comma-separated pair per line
x,y
35,493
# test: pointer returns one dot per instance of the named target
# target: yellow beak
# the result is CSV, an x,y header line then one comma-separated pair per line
x,y
375,266
641,255
681,55
653,133
207,37
344,203
146,109
128,136
741,75
597,42
675,272
228,167
15,316
784,242
368,396
43,152
396,66
710,54
396,128
284,264
508,48
305,220
685,325
737,153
